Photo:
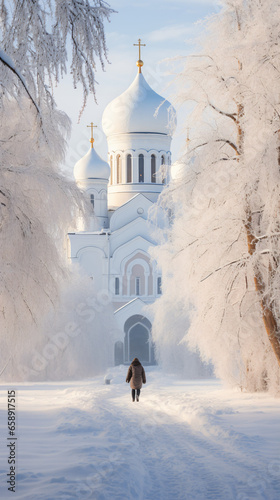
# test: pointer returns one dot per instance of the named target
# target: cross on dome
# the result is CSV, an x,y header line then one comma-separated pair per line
x,y
139,62
92,139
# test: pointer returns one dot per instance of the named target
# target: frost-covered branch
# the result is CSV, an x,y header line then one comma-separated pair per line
x,y
6,61
238,261
35,36
267,236
230,143
233,116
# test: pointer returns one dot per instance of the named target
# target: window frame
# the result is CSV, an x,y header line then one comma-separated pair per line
x,y
92,200
141,165
111,169
129,169
137,286
153,169
119,169
159,285
163,174
117,286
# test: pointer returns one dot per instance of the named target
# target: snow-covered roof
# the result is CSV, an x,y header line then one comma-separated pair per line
x,y
138,110
137,206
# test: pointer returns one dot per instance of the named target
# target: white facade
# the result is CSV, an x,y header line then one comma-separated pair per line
x,y
115,249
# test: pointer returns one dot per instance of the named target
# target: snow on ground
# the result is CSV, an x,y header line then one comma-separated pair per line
x,y
189,440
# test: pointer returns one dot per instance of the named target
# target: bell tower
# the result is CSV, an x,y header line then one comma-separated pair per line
x,y
137,126
92,176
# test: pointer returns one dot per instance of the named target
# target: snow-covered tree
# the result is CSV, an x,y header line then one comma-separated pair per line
x,y
38,203
223,249
36,37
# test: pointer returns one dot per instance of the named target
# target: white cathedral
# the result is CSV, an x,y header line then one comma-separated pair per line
x,y
115,247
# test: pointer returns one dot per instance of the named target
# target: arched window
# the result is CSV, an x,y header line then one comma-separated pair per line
x,y
141,167
163,177
159,289
137,286
153,168
92,200
119,169
117,286
111,168
128,169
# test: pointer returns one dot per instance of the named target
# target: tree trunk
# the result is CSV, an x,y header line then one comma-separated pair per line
x,y
269,319
268,316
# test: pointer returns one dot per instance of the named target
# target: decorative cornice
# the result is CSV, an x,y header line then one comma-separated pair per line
x,y
114,151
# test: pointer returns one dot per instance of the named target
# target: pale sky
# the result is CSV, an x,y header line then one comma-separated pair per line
x,y
169,28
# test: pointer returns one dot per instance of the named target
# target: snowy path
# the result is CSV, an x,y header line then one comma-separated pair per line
x,y
183,440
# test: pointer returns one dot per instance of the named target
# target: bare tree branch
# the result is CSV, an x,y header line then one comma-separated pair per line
x,y
229,115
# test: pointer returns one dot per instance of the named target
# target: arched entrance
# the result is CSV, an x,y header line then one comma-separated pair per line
x,y
138,341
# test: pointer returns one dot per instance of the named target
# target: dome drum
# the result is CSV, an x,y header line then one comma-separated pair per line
x,y
139,167
139,141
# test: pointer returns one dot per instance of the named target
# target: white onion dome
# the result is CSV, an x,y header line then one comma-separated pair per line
x,y
139,109
91,166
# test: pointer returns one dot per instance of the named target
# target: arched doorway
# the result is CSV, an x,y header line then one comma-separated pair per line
x,y
138,342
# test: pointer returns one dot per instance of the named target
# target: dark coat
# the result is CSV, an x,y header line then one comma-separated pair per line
x,y
136,374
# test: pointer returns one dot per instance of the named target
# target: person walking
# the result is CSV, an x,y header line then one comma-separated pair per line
x,y
136,375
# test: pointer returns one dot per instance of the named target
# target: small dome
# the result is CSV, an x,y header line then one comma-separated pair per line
x,y
138,109
91,166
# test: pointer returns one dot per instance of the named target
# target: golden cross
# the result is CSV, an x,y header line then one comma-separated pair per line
x,y
139,45
139,62
91,139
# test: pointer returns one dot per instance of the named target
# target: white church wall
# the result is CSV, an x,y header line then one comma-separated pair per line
x,y
137,206
132,308
138,266
121,194
131,265
135,228
79,241
127,251
93,262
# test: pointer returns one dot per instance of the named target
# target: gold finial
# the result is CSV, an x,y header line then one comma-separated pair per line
x,y
91,139
139,62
